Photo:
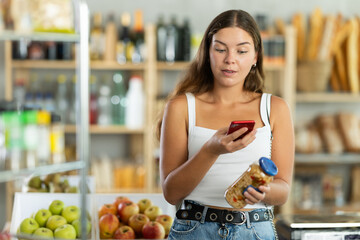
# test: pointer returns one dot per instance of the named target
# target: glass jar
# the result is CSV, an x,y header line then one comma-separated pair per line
x,y
259,173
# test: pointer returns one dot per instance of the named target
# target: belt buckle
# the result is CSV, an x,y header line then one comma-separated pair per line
x,y
242,217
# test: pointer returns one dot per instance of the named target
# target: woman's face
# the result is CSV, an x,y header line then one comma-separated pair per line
x,y
232,54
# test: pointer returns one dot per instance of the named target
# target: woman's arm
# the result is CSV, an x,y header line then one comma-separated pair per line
x,y
283,150
180,175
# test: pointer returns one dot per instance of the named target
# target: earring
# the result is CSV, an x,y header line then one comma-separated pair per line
x,y
254,66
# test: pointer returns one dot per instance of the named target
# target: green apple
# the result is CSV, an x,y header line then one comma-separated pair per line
x,y
71,213
42,216
35,182
55,221
43,233
56,207
28,226
152,212
66,231
77,225
144,204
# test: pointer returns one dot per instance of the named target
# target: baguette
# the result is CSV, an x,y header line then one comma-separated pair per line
x,y
280,26
352,56
324,52
340,65
298,21
316,31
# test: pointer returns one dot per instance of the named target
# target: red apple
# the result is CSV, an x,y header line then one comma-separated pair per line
x,y
166,221
108,224
153,230
137,222
126,210
107,208
124,232
119,200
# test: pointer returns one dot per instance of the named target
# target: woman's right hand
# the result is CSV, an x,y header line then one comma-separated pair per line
x,y
221,143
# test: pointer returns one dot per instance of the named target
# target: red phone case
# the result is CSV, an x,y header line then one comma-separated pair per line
x,y
235,125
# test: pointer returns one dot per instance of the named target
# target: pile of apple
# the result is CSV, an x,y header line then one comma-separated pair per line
x,y
57,221
125,219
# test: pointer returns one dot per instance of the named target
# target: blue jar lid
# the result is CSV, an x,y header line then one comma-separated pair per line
x,y
268,166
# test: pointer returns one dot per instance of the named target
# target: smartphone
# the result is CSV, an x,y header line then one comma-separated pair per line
x,y
236,125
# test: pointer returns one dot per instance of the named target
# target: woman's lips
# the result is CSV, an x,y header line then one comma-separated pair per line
x,y
228,72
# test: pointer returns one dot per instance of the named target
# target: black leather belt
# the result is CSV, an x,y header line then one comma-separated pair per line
x,y
194,211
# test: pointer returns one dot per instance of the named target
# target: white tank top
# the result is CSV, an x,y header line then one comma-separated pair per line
x,y
228,167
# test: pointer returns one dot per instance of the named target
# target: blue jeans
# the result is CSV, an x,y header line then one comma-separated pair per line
x,y
197,230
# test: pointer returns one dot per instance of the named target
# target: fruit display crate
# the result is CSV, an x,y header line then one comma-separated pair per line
x,y
157,199
27,204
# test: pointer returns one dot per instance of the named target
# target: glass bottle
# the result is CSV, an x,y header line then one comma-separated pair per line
x,y
134,114
124,42
57,140
43,150
72,105
104,104
31,135
97,38
185,42
161,39
139,42
118,99
110,39
62,105
93,102
172,41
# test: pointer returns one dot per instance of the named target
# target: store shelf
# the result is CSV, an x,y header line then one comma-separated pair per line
x,y
322,158
112,129
327,97
66,64
39,36
10,175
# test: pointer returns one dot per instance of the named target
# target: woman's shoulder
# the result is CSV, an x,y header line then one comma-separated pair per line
x,y
278,102
176,104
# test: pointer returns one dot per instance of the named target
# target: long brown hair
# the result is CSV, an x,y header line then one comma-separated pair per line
x,y
199,78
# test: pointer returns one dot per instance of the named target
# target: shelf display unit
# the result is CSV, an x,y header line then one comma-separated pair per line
x,y
82,65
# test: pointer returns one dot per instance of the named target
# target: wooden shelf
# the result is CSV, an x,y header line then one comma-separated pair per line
x,y
71,64
322,158
111,129
327,97
39,36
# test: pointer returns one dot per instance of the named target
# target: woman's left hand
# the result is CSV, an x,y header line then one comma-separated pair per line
x,y
252,196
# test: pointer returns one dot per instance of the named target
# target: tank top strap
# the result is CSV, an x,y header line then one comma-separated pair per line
x,y
191,111
265,108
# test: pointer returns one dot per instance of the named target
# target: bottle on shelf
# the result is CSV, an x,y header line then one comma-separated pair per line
x,y
31,135
161,39
134,114
43,150
97,38
110,39
20,49
51,50
14,156
36,50
172,41
19,91
185,41
139,35
57,140
93,102
62,105
124,45
72,102
118,99
104,104
64,50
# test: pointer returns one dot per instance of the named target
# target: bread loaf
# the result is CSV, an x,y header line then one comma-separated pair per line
x,y
324,52
307,140
334,79
352,56
298,21
315,35
350,131
330,134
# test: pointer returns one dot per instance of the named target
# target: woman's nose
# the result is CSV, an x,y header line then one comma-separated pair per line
x,y
230,58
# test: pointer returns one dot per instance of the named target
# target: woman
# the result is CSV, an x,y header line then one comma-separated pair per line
x,y
198,160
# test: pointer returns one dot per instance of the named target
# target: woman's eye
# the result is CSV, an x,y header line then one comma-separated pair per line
x,y
242,52
220,50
